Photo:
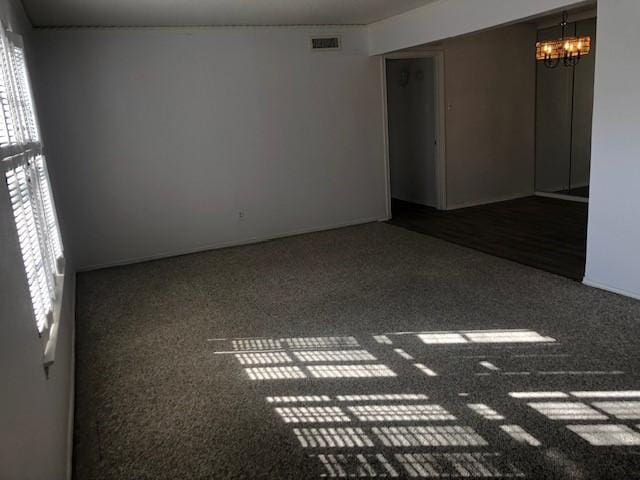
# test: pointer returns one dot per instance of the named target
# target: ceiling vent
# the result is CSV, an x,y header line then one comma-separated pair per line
x,y
326,43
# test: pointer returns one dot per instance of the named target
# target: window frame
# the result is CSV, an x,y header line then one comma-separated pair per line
x,y
22,154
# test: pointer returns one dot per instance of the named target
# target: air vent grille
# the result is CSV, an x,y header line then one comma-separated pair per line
x,y
326,43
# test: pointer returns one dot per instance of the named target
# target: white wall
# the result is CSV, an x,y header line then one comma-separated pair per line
x,y
166,135
34,411
613,248
411,100
451,18
490,115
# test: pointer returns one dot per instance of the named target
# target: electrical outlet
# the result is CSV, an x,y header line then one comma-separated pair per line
x,y
241,215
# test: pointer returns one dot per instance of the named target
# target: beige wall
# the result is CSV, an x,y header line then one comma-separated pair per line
x,y
490,117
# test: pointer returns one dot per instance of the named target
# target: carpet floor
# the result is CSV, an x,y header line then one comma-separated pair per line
x,y
370,352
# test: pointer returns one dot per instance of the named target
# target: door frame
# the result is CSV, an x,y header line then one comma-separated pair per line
x,y
440,114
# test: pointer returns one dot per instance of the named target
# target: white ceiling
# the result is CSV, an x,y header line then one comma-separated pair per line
x,y
213,12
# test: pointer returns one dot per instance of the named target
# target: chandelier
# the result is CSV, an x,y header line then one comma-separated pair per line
x,y
567,49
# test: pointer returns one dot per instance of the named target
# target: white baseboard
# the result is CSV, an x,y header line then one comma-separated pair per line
x,y
558,188
619,291
560,196
232,243
487,201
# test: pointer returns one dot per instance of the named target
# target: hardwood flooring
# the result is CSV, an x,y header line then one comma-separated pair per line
x,y
545,233
576,192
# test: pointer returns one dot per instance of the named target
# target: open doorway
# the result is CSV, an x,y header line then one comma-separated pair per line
x,y
414,112
517,133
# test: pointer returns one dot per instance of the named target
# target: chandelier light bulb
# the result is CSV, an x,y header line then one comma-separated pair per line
x,y
567,50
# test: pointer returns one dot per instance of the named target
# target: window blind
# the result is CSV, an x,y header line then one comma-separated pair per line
x,y
28,184
29,236
23,89
7,128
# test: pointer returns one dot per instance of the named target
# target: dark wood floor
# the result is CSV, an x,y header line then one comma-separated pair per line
x,y
545,233
576,192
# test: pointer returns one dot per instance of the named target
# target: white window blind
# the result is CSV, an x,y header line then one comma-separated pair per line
x,y
25,103
7,129
25,171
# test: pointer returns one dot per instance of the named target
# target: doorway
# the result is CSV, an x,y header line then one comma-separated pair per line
x,y
414,113
491,151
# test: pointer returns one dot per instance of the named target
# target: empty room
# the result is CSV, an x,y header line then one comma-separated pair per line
x,y
319,239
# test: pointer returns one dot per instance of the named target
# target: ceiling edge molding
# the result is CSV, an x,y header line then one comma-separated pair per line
x,y
344,26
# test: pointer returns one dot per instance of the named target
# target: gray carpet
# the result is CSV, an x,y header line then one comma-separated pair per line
x,y
157,397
